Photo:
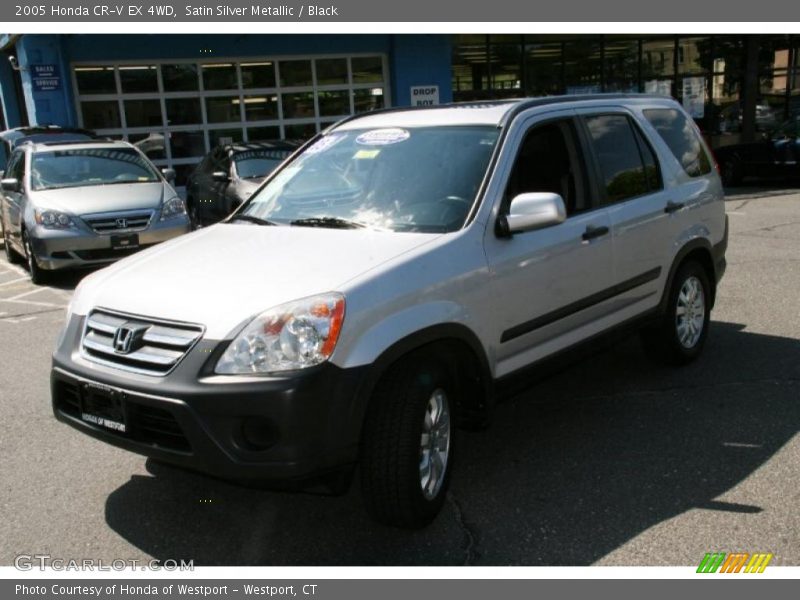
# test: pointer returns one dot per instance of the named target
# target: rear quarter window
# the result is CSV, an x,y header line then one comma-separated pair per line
x,y
680,136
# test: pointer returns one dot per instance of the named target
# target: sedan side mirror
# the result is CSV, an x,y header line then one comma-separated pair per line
x,y
10,184
220,176
169,175
532,211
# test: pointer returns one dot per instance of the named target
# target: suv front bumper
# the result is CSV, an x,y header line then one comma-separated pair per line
x,y
290,431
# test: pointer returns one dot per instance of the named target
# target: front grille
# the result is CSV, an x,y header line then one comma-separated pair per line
x,y
146,424
108,253
159,346
118,222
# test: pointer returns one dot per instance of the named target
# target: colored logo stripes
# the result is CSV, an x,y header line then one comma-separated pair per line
x,y
734,562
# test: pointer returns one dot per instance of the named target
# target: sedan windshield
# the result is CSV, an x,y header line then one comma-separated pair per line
x,y
417,179
89,166
258,163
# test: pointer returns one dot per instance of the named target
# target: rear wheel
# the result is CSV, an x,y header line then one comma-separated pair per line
x,y
407,450
38,275
680,336
11,255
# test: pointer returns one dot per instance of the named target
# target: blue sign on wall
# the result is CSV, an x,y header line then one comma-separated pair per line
x,y
45,78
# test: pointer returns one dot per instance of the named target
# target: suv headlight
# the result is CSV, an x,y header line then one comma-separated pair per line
x,y
291,336
53,219
171,208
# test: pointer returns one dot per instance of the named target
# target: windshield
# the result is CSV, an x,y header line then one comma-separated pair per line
x,y
89,166
258,163
418,179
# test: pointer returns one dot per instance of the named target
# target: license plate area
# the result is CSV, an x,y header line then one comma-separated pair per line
x,y
104,407
125,242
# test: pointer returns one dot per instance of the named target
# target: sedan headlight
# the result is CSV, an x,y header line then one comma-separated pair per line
x,y
288,337
53,219
172,208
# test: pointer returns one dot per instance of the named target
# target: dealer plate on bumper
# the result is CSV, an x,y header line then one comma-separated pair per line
x,y
125,242
103,406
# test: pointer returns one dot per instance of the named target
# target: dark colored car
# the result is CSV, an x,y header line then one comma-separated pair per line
x,y
11,138
228,175
776,155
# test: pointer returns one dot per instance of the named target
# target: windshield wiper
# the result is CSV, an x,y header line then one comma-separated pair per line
x,y
252,219
330,222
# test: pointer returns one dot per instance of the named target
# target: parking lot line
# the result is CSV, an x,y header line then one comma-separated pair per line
x,y
34,303
13,281
24,294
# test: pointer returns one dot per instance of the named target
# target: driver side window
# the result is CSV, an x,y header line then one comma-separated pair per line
x,y
549,160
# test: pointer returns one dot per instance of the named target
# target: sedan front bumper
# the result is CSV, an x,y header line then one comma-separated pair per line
x,y
75,248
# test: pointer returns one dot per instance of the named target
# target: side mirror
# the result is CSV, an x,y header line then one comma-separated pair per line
x,y
220,176
10,184
169,175
532,211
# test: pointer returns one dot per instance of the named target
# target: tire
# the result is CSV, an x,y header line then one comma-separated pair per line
x,y
11,254
732,173
680,336
401,453
38,275
194,217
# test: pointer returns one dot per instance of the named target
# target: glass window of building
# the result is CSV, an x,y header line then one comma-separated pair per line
x,y
505,65
95,80
621,64
543,68
195,105
470,67
138,79
219,76
583,65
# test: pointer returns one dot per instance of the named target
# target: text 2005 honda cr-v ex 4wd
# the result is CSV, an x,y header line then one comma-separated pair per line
x,y
364,303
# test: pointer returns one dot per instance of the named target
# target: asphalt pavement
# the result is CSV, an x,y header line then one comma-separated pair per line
x,y
611,461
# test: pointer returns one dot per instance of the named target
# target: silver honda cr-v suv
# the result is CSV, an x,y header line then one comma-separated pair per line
x,y
365,302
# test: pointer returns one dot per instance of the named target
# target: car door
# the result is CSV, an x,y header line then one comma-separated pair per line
x,y
14,201
549,283
639,208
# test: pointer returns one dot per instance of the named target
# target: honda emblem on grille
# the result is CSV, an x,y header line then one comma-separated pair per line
x,y
122,223
129,338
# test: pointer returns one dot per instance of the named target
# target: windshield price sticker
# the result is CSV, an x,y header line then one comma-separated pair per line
x,y
383,137
325,143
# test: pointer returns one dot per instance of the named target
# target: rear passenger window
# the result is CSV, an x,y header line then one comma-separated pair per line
x,y
681,137
627,165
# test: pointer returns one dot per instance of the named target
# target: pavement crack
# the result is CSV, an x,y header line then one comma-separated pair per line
x,y
470,536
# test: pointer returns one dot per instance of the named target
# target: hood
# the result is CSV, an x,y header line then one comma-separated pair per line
x,y
85,200
228,273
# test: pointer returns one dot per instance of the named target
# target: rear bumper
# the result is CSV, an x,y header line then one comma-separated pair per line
x,y
57,249
290,431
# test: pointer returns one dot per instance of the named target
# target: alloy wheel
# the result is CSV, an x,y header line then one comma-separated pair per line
x,y
434,450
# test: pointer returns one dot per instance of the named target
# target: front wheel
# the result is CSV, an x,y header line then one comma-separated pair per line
x,y
407,449
680,336
38,275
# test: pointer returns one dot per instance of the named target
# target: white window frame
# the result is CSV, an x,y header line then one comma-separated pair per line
x,y
319,122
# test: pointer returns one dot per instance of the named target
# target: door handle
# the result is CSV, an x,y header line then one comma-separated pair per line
x,y
593,231
672,207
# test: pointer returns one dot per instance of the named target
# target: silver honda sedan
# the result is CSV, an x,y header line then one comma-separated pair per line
x,y
77,204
